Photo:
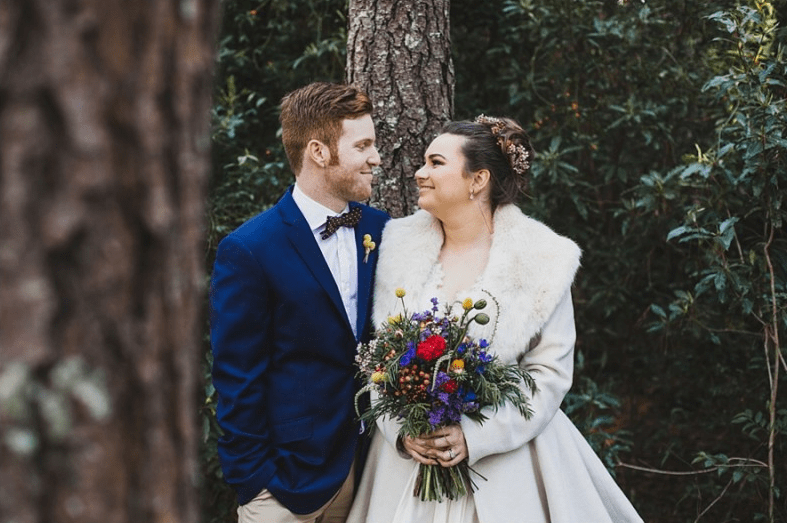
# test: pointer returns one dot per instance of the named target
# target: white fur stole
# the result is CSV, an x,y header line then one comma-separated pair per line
x,y
530,269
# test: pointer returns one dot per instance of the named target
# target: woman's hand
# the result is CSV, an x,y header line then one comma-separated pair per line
x,y
446,447
416,448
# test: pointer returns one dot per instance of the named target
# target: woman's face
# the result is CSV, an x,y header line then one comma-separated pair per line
x,y
442,184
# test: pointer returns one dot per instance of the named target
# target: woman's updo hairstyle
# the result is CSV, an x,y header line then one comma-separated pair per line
x,y
501,146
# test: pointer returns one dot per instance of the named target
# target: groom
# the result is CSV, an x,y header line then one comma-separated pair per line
x,y
290,300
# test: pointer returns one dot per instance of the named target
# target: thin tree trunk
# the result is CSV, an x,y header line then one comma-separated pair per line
x,y
104,108
400,53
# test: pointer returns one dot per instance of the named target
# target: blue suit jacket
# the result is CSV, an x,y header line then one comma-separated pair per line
x,y
283,358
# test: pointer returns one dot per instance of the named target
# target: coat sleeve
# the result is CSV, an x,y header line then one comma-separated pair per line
x,y
551,364
240,325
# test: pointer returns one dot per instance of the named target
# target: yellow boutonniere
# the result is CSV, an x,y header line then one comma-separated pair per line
x,y
368,246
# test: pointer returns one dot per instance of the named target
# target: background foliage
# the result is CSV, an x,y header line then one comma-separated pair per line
x,y
661,136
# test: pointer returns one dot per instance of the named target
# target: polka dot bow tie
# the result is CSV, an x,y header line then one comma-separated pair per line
x,y
348,219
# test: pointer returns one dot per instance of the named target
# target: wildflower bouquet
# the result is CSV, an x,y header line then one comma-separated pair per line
x,y
428,372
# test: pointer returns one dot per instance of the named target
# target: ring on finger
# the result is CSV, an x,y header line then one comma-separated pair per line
x,y
451,453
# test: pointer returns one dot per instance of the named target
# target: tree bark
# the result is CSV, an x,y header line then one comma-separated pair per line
x,y
400,53
104,157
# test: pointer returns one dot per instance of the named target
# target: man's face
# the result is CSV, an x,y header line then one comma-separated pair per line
x,y
349,176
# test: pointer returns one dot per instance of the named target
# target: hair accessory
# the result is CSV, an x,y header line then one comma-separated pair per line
x,y
517,154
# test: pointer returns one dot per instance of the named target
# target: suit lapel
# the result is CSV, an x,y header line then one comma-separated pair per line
x,y
364,270
302,240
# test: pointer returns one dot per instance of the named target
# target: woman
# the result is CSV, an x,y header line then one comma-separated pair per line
x,y
469,240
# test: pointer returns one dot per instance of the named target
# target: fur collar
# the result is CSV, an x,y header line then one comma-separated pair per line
x,y
530,269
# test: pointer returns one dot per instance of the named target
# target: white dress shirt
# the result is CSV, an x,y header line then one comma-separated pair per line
x,y
339,251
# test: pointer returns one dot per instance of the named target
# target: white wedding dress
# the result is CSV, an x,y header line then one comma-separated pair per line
x,y
411,508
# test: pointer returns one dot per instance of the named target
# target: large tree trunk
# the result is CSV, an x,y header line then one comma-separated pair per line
x,y
104,156
400,53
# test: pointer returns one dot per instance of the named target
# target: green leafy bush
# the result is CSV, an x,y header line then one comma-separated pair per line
x,y
732,297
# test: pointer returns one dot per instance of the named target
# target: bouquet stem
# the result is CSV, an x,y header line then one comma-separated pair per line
x,y
435,482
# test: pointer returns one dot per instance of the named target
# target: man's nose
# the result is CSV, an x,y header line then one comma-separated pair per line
x,y
375,158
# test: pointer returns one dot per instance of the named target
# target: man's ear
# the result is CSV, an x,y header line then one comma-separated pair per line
x,y
318,152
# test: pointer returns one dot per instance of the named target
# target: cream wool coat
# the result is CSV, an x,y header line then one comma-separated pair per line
x,y
539,470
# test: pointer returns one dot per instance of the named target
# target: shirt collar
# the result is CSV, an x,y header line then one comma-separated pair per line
x,y
315,213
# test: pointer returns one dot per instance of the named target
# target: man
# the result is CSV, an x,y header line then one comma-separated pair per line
x,y
290,300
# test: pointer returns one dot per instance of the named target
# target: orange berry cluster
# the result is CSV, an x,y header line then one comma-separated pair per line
x,y
413,383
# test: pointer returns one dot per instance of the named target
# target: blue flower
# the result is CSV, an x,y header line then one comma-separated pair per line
x,y
468,395
436,415
484,358
483,343
434,305
421,316
470,406
441,379
408,356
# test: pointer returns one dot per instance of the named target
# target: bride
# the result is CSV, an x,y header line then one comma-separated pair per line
x,y
470,239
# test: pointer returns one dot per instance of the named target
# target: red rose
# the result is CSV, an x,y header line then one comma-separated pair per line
x,y
450,386
431,348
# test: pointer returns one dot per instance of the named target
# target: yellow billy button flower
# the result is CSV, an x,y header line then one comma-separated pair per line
x,y
378,377
467,304
400,293
393,319
368,246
